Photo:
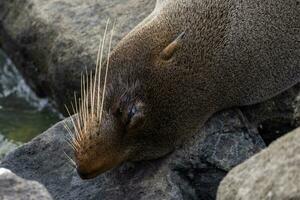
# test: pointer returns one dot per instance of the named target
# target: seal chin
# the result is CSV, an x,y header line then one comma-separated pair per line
x,y
85,176
93,174
89,174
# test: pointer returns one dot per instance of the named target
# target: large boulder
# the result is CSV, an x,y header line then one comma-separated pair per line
x,y
274,173
13,187
193,171
52,42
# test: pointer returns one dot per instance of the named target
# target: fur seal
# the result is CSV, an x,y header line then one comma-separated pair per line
x,y
187,60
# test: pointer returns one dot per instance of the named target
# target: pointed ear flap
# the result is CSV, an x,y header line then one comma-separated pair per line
x,y
168,52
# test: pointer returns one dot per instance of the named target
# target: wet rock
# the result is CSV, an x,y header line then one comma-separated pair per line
x,y
193,171
274,173
6,146
13,187
53,42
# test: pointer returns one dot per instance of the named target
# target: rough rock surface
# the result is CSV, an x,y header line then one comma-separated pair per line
x,y
191,172
52,42
274,173
277,116
13,187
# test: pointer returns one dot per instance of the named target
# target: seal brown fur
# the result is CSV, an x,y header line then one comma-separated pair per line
x,y
186,61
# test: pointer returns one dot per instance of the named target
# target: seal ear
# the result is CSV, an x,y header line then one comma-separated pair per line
x,y
168,52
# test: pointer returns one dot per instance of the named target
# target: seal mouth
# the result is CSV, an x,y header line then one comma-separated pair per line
x,y
85,176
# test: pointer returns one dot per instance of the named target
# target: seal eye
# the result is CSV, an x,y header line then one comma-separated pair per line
x,y
130,116
135,117
132,112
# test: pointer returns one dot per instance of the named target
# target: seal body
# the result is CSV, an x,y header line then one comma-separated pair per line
x,y
232,53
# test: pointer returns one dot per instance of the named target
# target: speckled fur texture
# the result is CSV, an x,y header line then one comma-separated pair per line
x,y
233,53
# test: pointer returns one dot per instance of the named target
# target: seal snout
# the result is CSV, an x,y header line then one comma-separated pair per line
x,y
90,168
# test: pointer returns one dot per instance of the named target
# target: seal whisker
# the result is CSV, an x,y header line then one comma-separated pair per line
x,y
81,114
86,97
75,104
91,96
100,66
82,104
90,105
72,162
106,72
76,125
96,72
72,137
68,130
71,144
72,120
84,101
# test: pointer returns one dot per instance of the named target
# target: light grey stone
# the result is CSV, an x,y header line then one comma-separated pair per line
x,y
13,187
273,174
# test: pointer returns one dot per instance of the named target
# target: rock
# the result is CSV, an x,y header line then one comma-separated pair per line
x,y
274,173
6,146
277,116
52,42
193,171
13,187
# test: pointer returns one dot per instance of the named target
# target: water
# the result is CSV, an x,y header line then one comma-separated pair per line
x,y
23,115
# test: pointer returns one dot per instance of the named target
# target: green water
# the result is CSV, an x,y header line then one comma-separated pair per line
x,y
21,122
22,114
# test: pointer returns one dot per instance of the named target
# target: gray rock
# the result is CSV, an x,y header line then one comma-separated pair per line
x,y
52,42
274,173
193,171
13,187
277,116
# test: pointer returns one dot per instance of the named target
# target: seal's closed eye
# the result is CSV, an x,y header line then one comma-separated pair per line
x,y
137,116
129,113
132,111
